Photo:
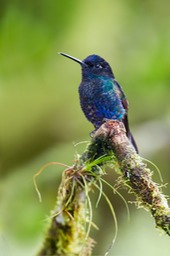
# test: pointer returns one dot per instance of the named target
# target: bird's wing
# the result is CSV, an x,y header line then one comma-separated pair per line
x,y
125,118
122,96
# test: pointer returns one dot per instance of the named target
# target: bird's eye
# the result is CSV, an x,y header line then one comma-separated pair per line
x,y
98,66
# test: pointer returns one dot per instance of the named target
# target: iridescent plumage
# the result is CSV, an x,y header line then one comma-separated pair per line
x,y
101,97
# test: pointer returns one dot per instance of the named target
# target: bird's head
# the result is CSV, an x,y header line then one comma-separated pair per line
x,y
97,66
93,66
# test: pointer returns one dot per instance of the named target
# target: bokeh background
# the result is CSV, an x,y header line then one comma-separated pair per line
x,y
41,119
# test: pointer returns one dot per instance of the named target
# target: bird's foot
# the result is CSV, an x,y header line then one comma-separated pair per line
x,y
92,133
105,120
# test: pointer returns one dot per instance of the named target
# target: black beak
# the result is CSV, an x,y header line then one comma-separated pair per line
x,y
73,58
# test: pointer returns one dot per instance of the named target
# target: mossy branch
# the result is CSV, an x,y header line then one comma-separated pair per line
x,y
72,217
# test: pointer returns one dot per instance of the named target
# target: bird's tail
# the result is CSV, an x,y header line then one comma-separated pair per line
x,y
129,134
132,140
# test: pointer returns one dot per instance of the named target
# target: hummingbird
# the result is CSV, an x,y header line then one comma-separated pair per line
x,y
101,96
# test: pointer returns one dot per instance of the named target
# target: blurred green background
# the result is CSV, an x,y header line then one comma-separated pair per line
x,y
40,115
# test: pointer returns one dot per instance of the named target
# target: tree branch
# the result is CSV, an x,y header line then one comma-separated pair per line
x,y
68,233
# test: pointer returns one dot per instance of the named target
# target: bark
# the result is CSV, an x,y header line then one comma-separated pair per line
x,y
68,233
